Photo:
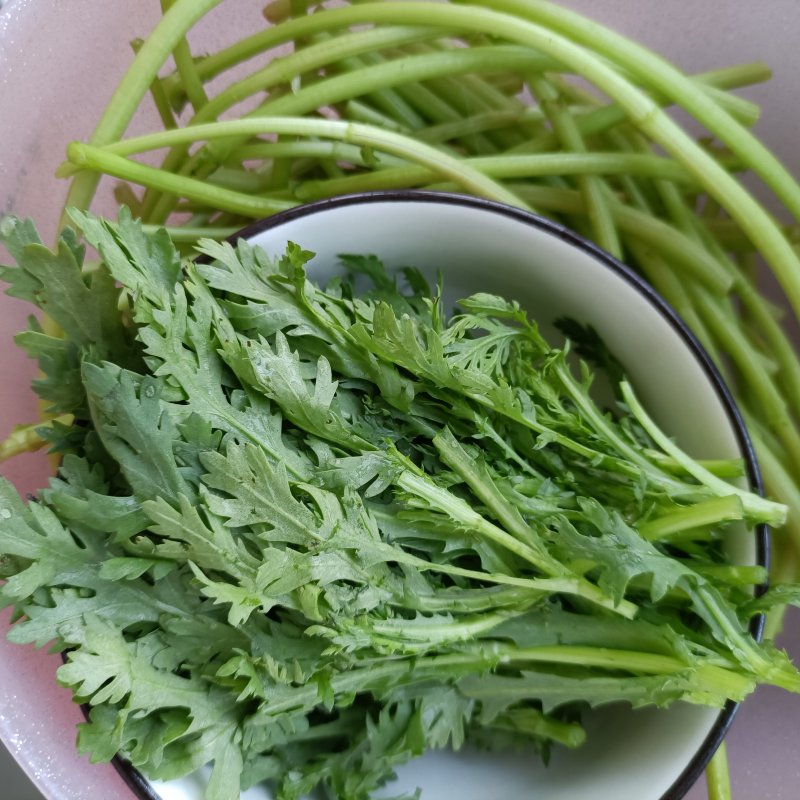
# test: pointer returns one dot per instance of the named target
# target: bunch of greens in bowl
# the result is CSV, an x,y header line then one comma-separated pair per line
x,y
480,98
307,533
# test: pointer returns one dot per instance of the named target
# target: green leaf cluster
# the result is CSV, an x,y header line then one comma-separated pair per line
x,y
304,534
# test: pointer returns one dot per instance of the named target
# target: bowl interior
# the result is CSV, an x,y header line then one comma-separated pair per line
x,y
629,755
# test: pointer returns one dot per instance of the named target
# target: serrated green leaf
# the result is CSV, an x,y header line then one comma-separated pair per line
x,y
281,375
135,428
35,536
258,493
143,264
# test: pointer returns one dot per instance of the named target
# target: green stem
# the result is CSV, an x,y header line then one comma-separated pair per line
x,y
604,657
468,601
432,105
280,72
158,94
723,322
643,112
132,88
736,76
756,508
388,101
189,233
530,722
590,414
26,438
472,95
714,85
768,667
708,512
662,76
745,112
730,237
96,160
778,481
480,123
322,53
504,167
419,486
322,150
187,71
750,365
353,132
481,60
671,285
768,330
732,575
590,186
721,467
535,587
430,634
359,111
718,778
480,482
214,64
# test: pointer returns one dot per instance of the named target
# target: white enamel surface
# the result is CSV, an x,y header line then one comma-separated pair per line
x,y
191,787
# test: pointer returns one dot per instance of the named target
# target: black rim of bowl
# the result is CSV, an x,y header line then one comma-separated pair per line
x,y
139,784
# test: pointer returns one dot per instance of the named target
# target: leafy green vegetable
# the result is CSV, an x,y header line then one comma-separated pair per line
x,y
481,98
304,534
384,95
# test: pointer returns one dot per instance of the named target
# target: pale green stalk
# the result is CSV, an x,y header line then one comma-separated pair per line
x,y
432,104
351,132
321,53
717,776
707,512
319,150
489,120
158,95
643,112
503,167
359,111
26,438
187,69
657,73
671,286
365,80
190,234
603,657
600,218
280,72
137,80
757,508
95,160
775,340
778,482
736,76
747,361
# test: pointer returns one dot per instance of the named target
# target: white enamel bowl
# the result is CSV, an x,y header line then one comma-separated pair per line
x,y
482,246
